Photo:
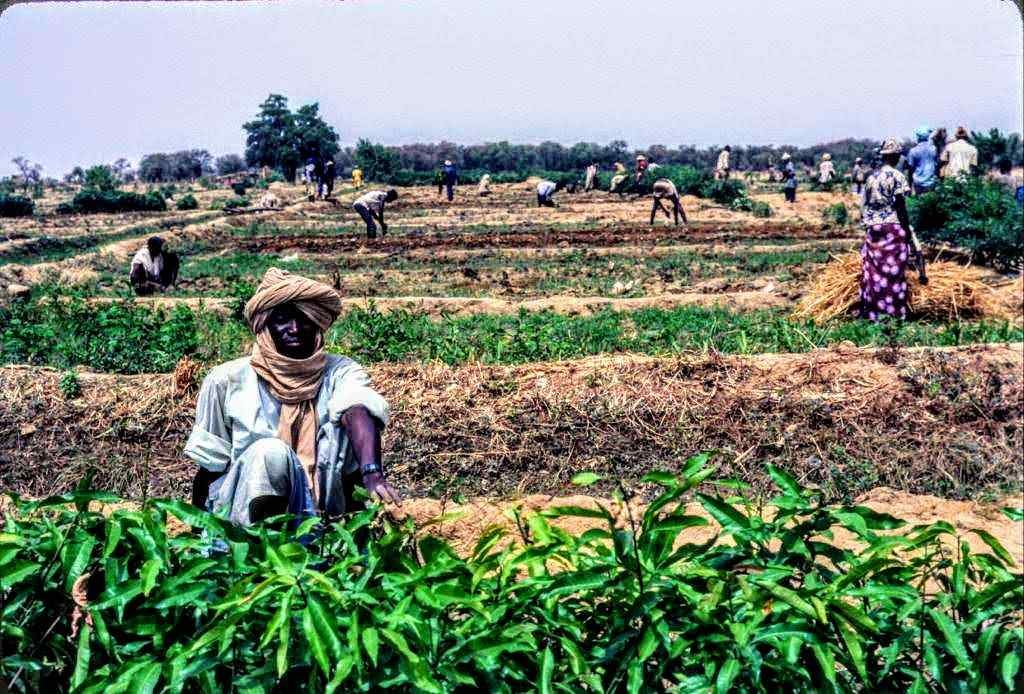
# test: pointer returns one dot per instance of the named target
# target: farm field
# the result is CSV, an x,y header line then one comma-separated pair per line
x,y
521,348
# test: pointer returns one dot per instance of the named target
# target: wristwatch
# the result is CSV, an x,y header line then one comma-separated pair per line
x,y
370,469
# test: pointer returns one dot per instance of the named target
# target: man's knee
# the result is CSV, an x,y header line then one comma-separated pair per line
x,y
274,455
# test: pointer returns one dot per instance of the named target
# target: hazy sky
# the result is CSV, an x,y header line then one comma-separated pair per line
x,y
88,83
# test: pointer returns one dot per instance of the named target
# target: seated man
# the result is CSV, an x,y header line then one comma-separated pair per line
x,y
664,189
370,207
153,269
546,192
289,428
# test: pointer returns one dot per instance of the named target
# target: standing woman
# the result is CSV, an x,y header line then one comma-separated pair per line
x,y
887,233
789,176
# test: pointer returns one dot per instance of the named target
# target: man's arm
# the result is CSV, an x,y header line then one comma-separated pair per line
x,y
209,444
363,431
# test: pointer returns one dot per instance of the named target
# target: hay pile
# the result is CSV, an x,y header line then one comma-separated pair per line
x,y
953,291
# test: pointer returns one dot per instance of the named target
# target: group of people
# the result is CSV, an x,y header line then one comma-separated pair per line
x,y
318,175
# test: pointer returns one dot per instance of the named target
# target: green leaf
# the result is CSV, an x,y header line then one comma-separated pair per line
x,y
281,615
547,668
1014,514
855,648
371,642
146,679
995,546
585,479
283,641
727,516
728,672
784,481
635,677
648,644
954,644
82,658
1008,668
150,572
790,597
13,573
316,644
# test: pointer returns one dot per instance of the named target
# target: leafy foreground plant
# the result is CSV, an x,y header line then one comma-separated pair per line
x,y
769,603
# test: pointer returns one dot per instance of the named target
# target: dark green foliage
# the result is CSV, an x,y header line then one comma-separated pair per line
x,y
284,140
91,200
759,209
688,181
16,206
239,188
973,213
70,386
996,145
235,203
187,202
837,214
229,164
61,330
64,331
767,603
184,165
378,162
101,178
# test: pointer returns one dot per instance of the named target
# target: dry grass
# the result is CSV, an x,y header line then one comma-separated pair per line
x,y
953,292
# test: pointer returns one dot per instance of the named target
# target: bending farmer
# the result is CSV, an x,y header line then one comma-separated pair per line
x,y
290,429
370,207
153,269
664,189
546,192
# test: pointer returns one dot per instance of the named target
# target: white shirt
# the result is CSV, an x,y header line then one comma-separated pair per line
x,y
375,200
152,267
723,160
546,189
960,156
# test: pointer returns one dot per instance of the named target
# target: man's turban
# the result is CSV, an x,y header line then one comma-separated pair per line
x,y
319,302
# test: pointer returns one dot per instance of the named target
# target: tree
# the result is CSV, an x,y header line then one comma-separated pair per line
x,y
378,162
31,174
155,168
270,138
995,146
100,178
76,176
122,168
313,137
229,164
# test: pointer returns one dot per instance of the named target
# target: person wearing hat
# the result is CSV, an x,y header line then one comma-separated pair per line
x,y
788,177
888,240
590,177
923,162
327,179
858,175
826,170
153,269
641,167
960,158
722,167
290,428
451,176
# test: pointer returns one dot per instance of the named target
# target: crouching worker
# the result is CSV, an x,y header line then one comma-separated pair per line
x,y
370,207
153,269
664,189
289,429
546,193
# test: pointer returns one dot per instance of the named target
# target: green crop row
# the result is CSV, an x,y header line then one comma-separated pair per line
x,y
766,602
124,337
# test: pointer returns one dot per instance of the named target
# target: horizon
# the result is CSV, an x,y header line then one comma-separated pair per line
x,y
127,79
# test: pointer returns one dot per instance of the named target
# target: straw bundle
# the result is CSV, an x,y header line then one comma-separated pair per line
x,y
953,291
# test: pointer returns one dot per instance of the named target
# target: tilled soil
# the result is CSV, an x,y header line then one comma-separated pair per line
x,y
939,421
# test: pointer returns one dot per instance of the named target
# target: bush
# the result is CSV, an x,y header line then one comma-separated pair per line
x,y
16,206
837,214
769,602
235,203
757,208
979,215
168,190
69,384
239,188
188,202
92,200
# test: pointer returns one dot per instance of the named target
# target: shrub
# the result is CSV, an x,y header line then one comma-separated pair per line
x,y
837,214
235,203
768,603
756,207
188,202
16,206
239,188
91,200
168,190
976,214
70,386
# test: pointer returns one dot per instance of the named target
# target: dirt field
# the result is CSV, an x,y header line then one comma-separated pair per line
x,y
884,426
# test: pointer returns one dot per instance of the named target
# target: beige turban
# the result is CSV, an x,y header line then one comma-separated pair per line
x,y
294,382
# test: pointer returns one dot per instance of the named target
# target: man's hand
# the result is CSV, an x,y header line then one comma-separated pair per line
x,y
379,489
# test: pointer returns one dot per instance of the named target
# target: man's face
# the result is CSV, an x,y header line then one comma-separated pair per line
x,y
293,333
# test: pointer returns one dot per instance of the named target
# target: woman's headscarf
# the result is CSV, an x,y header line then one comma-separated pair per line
x,y
294,382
